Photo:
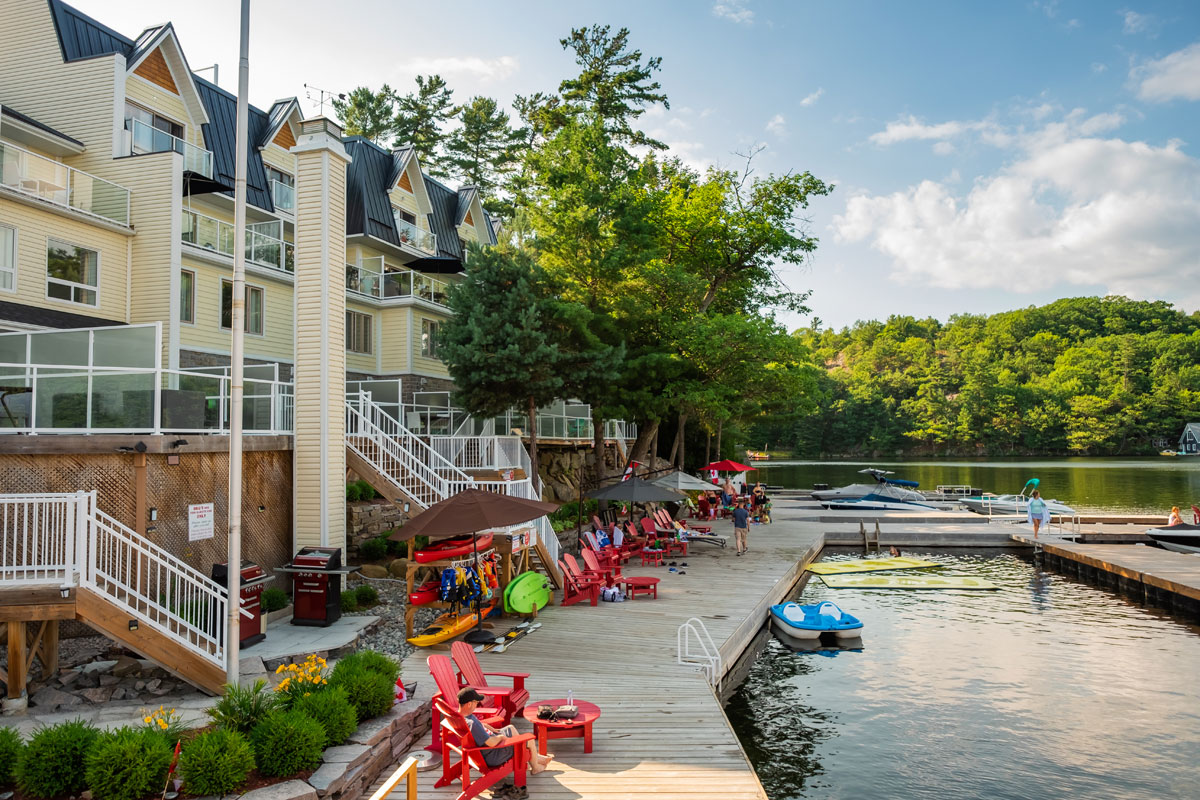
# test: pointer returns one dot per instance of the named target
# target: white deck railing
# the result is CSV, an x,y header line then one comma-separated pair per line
x,y
37,176
65,540
145,138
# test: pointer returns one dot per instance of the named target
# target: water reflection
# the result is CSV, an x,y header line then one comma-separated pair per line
x,y
1137,485
1046,688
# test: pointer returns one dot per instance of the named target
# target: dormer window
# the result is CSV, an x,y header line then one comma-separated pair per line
x,y
149,128
283,188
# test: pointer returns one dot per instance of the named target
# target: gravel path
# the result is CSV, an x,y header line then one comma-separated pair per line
x,y
388,636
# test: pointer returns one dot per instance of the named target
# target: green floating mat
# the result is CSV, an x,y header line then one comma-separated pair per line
x,y
867,565
906,582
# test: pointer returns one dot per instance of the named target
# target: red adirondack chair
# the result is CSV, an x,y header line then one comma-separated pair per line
x,y
607,555
576,587
611,572
460,754
470,673
442,670
665,520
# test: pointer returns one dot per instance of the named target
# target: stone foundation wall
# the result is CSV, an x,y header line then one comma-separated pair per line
x,y
368,519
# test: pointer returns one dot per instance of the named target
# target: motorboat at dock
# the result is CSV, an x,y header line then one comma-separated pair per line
x,y
901,489
886,495
1013,503
1183,538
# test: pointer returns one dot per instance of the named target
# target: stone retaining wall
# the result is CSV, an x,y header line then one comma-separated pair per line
x,y
368,519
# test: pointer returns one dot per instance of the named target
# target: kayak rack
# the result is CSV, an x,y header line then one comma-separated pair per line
x,y
706,656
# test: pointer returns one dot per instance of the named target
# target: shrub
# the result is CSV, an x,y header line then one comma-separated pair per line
x,y
50,765
373,549
394,547
300,680
215,762
366,595
10,753
242,707
287,742
371,693
331,707
349,602
367,491
370,660
274,599
128,764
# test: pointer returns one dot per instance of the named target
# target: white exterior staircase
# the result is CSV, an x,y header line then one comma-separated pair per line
x,y
118,582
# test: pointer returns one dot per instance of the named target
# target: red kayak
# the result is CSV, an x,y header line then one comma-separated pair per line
x,y
452,548
427,592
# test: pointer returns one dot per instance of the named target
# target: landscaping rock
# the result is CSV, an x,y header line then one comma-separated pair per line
x,y
288,790
47,699
252,666
329,778
97,695
109,680
126,666
154,684
352,754
373,571
398,568
87,680
68,677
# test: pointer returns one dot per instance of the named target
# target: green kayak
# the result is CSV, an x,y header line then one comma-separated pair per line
x,y
527,591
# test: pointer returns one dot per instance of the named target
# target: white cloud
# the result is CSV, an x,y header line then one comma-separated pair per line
x,y
990,132
1133,22
1071,209
486,69
905,130
1174,76
1097,67
943,148
734,11
812,98
777,126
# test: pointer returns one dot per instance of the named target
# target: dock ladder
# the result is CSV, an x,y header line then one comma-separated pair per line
x,y
706,655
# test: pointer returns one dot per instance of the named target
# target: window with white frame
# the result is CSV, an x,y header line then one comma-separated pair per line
x,y
429,338
358,333
187,296
254,308
72,272
8,258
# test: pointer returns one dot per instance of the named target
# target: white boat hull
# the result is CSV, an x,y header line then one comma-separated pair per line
x,y
857,490
866,504
1011,504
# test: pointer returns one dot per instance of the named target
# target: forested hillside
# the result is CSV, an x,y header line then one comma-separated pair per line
x,y
1083,375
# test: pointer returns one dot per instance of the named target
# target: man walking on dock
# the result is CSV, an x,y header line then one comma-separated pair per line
x,y
741,525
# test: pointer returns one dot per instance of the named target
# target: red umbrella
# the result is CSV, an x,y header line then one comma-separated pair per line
x,y
728,466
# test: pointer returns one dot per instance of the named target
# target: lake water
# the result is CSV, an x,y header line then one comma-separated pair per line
x,y
1047,688
1149,485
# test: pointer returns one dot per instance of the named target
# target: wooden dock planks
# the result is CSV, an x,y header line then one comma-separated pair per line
x,y
662,732
1178,573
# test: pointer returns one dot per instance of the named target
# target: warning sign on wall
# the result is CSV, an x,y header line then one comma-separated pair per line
x,y
200,522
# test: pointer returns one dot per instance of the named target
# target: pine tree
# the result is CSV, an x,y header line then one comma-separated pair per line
x,y
497,346
483,150
420,119
367,113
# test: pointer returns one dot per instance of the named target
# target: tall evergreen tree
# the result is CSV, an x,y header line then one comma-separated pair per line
x,y
498,346
367,113
421,117
614,83
483,150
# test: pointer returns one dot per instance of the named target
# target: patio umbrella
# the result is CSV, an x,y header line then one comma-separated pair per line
x,y
683,482
471,511
635,490
727,466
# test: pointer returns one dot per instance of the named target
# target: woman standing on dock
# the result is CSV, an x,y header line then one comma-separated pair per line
x,y
1039,512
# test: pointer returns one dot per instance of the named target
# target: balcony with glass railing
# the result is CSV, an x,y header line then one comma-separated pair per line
x,y
283,196
54,182
412,236
212,234
145,138
370,279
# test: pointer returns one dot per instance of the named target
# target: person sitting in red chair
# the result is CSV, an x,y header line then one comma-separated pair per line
x,y
487,736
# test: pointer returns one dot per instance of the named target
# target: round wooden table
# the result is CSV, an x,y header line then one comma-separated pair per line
x,y
578,728
640,583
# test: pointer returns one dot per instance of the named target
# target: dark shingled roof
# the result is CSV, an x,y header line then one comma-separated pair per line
x,y
49,318
220,136
368,181
444,220
17,115
465,195
82,37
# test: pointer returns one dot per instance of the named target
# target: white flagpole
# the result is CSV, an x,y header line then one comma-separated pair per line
x,y
236,354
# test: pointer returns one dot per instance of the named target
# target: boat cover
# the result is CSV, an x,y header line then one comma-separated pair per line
x,y
867,565
906,582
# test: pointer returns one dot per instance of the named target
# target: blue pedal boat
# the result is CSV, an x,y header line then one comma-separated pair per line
x,y
809,622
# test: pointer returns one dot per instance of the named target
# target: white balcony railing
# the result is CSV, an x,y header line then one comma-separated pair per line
x,y
413,236
44,399
283,196
214,234
54,182
145,138
369,281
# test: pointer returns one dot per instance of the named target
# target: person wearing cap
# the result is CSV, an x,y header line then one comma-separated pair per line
x,y
487,736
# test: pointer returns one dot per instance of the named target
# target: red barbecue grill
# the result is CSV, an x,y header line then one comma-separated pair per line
x,y
317,585
252,625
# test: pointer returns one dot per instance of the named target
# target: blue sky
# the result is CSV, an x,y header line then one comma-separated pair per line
x,y
987,155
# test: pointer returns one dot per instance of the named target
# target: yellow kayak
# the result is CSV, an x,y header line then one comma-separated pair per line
x,y
447,626
867,565
906,582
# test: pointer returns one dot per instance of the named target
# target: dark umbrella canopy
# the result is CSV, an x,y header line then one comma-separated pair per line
x,y
635,490
472,510
683,482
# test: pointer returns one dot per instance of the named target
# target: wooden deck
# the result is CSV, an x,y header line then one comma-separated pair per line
x,y
1176,573
662,732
